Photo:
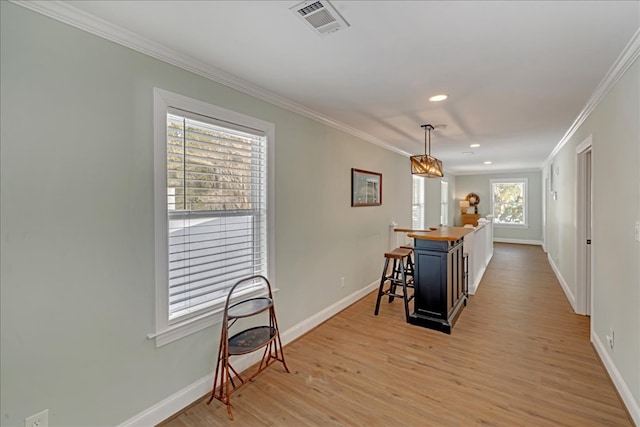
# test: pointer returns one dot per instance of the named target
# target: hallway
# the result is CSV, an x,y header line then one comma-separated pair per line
x,y
518,356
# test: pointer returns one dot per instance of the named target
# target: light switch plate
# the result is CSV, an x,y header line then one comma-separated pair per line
x,y
637,228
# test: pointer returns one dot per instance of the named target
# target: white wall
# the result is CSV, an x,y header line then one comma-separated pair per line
x,y
614,126
77,242
481,185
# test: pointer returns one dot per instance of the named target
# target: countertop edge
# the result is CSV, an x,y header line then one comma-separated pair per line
x,y
442,234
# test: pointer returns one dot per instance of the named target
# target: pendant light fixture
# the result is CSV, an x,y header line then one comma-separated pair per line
x,y
426,165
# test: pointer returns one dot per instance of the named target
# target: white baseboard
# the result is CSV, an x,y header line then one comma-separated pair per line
x,y
563,283
618,381
473,287
185,397
172,404
517,241
321,316
181,399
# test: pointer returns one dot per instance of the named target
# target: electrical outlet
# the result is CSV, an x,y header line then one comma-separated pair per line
x,y
610,338
342,282
613,343
41,419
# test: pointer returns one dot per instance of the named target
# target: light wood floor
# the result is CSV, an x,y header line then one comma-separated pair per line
x,y
518,356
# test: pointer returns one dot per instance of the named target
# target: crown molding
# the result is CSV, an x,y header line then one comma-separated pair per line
x,y
63,12
502,172
626,58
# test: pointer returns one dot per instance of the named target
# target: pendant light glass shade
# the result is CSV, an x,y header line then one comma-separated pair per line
x,y
425,165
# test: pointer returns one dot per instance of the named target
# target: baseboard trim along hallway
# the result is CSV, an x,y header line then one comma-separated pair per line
x,y
185,397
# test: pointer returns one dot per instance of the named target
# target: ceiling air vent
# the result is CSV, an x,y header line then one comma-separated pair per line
x,y
320,15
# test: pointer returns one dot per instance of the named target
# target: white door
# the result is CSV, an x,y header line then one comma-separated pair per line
x,y
588,226
584,211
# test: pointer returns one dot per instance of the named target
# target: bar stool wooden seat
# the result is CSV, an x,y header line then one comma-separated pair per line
x,y
397,276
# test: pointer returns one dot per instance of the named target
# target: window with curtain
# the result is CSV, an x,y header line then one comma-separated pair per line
x,y
509,202
444,203
211,219
417,207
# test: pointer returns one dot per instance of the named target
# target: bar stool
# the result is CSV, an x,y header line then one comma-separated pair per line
x,y
399,257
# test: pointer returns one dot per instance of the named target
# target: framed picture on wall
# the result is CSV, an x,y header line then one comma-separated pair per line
x,y
366,188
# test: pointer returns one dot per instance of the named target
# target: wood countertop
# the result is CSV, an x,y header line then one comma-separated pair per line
x,y
437,233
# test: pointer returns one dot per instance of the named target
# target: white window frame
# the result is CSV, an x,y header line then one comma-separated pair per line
x,y
444,202
417,200
525,210
167,331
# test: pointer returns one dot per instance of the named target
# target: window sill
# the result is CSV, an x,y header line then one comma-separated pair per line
x,y
495,224
194,324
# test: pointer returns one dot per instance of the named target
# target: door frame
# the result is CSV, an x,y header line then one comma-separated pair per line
x,y
584,287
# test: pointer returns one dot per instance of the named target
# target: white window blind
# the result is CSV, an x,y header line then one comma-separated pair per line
x,y
216,204
444,202
417,211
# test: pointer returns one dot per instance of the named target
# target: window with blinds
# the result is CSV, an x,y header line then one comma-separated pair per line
x,y
216,204
444,203
417,207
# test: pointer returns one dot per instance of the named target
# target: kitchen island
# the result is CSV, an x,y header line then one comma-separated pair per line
x,y
439,276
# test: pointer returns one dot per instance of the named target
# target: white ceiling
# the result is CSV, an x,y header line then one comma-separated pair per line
x,y
517,73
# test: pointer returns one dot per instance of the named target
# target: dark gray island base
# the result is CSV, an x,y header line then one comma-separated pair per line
x,y
439,277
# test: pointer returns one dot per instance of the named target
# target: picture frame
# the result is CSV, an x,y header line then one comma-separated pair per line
x,y
366,188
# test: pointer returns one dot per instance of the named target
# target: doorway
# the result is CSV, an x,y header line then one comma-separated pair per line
x,y
584,211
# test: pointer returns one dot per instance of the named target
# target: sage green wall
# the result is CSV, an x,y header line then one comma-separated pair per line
x,y
481,185
77,242
614,126
432,193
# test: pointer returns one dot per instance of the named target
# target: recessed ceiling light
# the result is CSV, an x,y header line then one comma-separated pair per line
x,y
487,163
467,153
474,145
438,98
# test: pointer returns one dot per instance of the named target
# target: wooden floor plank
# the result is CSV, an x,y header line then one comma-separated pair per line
x,y
518,356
